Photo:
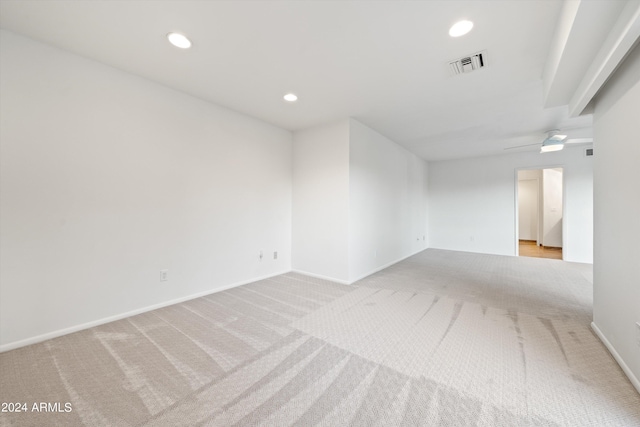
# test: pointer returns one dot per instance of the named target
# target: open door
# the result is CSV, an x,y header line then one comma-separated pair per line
x,y
540,212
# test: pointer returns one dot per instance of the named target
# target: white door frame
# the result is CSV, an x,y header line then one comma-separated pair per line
x,y
516,249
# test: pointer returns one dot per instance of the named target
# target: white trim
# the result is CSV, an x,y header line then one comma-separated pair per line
x,y
375,270
516,221
320,276
87,325
350,282
616,356
621,39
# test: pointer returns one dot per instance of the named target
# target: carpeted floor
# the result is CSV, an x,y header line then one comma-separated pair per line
x,y
442,338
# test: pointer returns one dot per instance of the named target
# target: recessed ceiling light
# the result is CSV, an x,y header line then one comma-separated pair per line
x,y
460,28
179,40
291,97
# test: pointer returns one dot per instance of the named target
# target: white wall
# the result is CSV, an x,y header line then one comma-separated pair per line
x,y
552,207
616,299
359,201
472,202
321,201
387,203
108,178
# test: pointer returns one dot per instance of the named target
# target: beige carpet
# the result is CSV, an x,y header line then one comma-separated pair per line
x,y
442,338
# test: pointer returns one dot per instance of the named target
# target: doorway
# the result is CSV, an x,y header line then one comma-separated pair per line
x,y
539,213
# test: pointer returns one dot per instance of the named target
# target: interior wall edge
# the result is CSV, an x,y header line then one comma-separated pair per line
x,y
625,368
386,266
471,251
320,276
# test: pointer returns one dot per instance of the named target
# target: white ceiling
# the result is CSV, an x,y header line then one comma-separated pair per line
x,y
383,63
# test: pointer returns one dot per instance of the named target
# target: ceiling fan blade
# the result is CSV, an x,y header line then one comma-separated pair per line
x,y
578,140
520,146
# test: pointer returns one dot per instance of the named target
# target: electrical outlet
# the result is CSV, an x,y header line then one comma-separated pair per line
x,y
164,275
638,333
275,254
261,255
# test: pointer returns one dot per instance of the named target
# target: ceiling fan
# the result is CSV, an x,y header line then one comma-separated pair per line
x,y
555,141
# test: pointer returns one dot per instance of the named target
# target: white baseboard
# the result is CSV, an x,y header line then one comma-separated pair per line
x,y
350,282
614,353
87,325
375,270
320,276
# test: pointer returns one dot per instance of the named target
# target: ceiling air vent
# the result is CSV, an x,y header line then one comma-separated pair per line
x,y
588,152
468,63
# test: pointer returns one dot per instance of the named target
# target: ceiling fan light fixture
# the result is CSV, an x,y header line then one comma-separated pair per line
x,y
549,145
557,137
553,142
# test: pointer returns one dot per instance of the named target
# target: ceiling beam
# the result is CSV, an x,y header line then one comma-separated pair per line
x,y
623,37
557,51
